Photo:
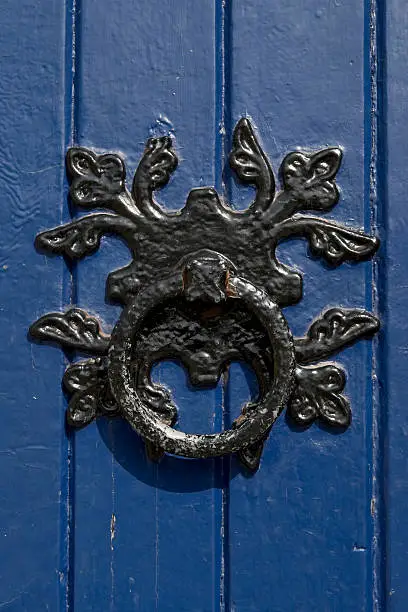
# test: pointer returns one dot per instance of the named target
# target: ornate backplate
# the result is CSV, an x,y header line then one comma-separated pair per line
x,y
205,287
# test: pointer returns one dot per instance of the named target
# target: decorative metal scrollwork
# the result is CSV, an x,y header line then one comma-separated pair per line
x,y
205,287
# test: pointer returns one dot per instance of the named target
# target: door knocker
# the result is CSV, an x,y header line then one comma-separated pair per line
x,y
205,287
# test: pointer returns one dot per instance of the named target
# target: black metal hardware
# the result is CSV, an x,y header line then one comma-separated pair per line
x,y
205,287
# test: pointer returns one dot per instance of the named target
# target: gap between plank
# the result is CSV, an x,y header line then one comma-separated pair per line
x,y
376,294
69,293
223,128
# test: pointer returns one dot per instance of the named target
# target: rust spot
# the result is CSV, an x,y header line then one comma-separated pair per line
x,y
239,420
229,290
210,313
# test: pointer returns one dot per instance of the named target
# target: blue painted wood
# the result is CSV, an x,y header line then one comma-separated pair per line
x,y
306,515
32,438
86,521
391,164
147,537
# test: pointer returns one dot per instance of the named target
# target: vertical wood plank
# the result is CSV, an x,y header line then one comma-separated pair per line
x,y
301,528
391,166
147,536
32,453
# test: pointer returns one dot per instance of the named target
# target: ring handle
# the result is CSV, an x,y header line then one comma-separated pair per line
x,y
208,277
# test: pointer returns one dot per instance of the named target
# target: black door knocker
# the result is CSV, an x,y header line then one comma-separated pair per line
x,y
205,287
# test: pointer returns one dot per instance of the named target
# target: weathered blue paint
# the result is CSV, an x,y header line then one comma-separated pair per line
x,y
305,516
151,534
392,162
87,522
32,466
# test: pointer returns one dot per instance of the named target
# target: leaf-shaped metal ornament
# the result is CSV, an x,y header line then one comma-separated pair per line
x,y
158,163
84,374
334,409
83,407
310,177
333,242
337,243
155,168
87,381
334,330
89,403
72,329
96,179
83,237
250,163
73,240
303,407
318,395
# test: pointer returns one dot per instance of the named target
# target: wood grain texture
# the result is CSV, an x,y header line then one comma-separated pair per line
x,y
300,529
87,522
393,158
147,536
32,462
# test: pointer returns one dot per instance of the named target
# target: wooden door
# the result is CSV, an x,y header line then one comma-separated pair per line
x,y
87,521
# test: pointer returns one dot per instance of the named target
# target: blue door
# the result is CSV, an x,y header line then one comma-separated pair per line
x,y
89,520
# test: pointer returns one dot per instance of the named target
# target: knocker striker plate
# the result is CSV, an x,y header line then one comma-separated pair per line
x,y
206,307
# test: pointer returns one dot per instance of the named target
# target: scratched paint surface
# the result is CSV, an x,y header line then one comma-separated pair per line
x,y
158,526
393,157
306,516
87,522
32,464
